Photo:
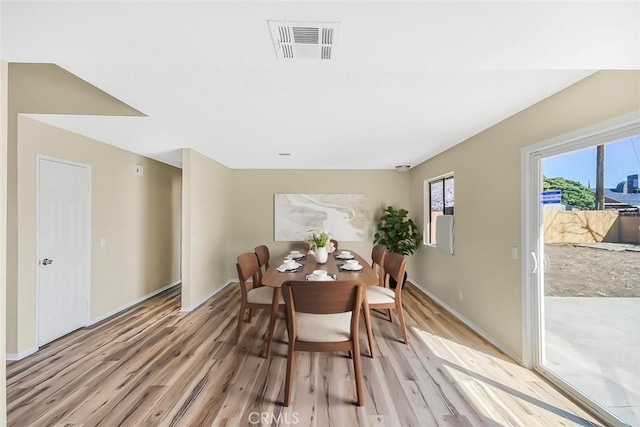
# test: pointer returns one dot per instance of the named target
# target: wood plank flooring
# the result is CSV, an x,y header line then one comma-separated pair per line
x,y
155,366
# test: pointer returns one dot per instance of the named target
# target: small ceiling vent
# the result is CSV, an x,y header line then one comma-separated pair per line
x,y
305,40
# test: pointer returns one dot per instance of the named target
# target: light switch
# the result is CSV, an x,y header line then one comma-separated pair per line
x,y
103,243
514,252
139,170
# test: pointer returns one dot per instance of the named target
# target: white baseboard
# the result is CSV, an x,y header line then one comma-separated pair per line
x,y
28,352
467,322
206,297
132,303
19,356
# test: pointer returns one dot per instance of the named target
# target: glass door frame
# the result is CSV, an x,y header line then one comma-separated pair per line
x,y
533,266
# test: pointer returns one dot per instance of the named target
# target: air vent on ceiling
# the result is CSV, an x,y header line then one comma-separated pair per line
x,y
305,40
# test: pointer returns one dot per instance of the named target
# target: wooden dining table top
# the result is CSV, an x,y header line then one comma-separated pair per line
x,y
275,279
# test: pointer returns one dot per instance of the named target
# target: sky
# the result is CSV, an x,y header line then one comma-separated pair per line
x,y
620,160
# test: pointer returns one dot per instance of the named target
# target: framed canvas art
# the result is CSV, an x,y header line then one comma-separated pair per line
x,y
297,215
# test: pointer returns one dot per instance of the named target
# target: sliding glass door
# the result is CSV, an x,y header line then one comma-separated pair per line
x,y
582,203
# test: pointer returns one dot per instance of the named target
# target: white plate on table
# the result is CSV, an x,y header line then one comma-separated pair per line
x,y
294,256
285,267
344,256
348,267
325,278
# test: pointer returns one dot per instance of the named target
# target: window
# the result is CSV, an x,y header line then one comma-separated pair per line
x,y
439,195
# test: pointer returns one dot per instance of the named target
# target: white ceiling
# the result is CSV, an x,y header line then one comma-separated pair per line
x,y
411,79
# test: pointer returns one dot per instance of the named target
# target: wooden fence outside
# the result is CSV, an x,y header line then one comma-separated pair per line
x,y
590,227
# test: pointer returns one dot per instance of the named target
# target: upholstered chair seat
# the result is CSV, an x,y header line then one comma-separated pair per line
x,y
324,327
262,295
380,295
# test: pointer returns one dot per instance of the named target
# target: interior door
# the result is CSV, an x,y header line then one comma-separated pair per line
x,y
63,248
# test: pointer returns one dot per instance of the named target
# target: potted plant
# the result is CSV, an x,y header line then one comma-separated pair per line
x,y
397,232
320,243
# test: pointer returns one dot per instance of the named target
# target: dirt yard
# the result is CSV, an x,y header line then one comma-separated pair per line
x,y
574,271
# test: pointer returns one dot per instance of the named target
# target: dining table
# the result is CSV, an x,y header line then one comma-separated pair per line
x,y
333,267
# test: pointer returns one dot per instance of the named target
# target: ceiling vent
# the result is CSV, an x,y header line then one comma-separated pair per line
x,y
305,40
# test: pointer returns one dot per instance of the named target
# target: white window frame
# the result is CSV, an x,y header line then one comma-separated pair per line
x,y
426,192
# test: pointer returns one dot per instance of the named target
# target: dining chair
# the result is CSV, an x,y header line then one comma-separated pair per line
x,y
381,297
377,261
258,296
323,317
335,244
262,252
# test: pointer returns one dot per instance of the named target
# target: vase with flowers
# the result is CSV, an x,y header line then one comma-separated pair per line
x,y
320,245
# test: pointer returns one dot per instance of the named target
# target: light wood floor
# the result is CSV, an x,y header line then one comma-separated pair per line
x,y
153,365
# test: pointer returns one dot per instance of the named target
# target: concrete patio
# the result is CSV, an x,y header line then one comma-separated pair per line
x,y
594,344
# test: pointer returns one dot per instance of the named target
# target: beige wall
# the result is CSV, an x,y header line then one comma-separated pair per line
x,y
253,196
488,219
41,88
206,227
227,212
138,217
4,74
49,89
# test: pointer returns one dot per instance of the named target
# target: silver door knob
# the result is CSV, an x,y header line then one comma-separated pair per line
x,y
46,261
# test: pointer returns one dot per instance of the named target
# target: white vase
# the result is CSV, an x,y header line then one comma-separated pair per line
x,y
321,255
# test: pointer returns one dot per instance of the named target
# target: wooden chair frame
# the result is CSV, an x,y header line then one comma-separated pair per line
x,y
262,252
378,254
394,266
323,298
248,267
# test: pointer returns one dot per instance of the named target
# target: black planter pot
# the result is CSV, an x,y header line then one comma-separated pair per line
x,y
392,281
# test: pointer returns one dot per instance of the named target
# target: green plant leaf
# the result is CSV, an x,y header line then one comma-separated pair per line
x,y
397,232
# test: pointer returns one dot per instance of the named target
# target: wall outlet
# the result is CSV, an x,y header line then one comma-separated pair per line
x,y
103,243
460,296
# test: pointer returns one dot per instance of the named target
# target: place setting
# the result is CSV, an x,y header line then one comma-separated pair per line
x,y
290,266
295,255
351,265
320,276
345,255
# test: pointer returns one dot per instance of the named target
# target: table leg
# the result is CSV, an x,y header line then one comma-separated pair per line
x,y
272,322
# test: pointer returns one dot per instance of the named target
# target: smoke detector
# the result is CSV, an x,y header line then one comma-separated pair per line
x,y
305,40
